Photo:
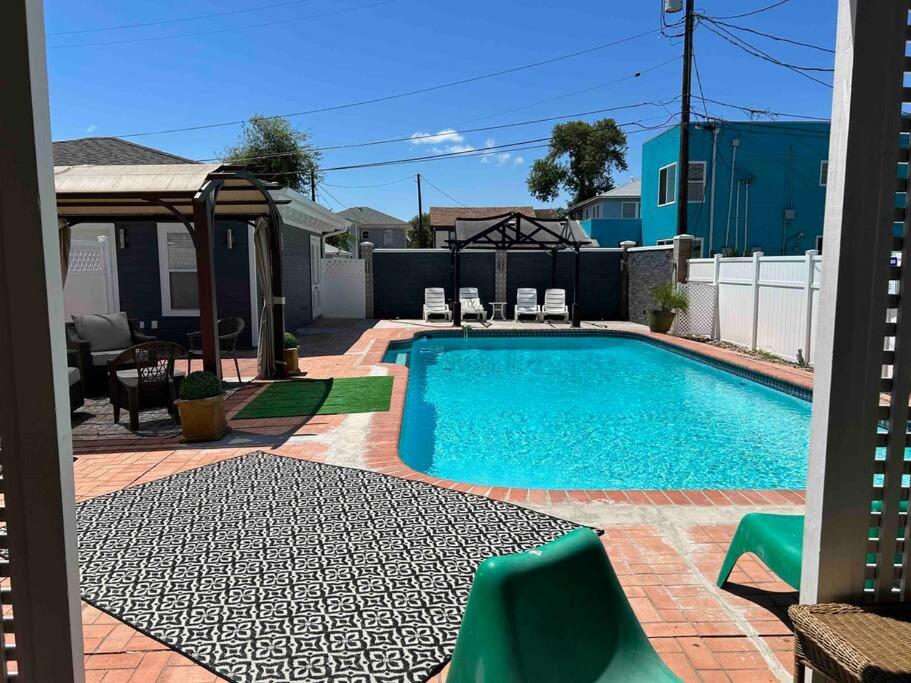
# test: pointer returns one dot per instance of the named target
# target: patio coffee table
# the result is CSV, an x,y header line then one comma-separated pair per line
x,y
498,310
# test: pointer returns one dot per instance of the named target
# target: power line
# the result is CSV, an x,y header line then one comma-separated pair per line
x,y
417,138
756,11
334,198
771,36
365,187
635,75
768,112
221,30
162,22
400,95
756,52
442,192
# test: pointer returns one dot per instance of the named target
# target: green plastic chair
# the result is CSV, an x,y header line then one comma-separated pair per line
x,y
776,539
557,613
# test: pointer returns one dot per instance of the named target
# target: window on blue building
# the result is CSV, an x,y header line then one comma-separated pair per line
x,y
629,210
667,184
823,172
696,181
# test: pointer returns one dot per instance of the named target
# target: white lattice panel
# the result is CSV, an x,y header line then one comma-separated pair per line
x,y
87,257
699,320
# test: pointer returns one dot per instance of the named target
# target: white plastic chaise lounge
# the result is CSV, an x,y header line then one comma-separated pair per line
x,y
471,304
527,304
555,305
435,306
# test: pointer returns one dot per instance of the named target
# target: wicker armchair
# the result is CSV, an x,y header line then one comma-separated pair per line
x,y
92,364
144,377
229,330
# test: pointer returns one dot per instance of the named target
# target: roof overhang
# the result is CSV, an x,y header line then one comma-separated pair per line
x,y
300,212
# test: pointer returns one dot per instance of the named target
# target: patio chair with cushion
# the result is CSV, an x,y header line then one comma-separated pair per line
x,y
555,305
527,304
144,377
471,304
229,330
435,305
97,339
77,392
557,613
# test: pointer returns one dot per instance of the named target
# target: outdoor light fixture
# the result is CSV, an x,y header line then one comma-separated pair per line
x,y
229,238
122,237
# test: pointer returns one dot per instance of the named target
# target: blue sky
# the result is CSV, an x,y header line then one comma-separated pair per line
x,y
363,49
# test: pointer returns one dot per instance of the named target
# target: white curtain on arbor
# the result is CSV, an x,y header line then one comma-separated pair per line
x,y
63,235
265,355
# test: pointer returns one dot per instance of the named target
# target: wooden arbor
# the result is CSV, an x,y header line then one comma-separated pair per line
x,y
195,195
519,232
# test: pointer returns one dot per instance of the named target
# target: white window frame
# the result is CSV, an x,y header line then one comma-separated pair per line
x,y
388,238
824,179
673,185
703,183
635,211
164,229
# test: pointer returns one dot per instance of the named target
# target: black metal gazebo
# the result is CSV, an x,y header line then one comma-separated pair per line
x,y
516,231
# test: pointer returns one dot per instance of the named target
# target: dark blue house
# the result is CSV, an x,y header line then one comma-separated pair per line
x,y
149,269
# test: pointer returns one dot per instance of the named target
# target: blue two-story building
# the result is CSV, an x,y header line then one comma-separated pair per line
x,y
753,186
613,216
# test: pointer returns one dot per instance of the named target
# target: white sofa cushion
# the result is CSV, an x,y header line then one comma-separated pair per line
x,y
104,332
130,378
102,358
73,375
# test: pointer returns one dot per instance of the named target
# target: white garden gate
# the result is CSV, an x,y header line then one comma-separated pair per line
x,y
344,288
90,286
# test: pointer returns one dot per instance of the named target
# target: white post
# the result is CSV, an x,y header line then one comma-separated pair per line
x,y
851,329
37,455
754,318
809,267
716,280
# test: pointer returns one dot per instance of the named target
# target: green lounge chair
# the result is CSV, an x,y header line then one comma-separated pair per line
x,y
778,541
557,613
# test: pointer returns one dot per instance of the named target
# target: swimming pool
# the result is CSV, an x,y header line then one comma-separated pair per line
x,y
605,412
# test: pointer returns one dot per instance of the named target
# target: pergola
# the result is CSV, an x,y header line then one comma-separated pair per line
x,y
195,195
517,231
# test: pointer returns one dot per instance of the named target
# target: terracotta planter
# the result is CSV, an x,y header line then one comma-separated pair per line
x,y
660,321
291,361
203,419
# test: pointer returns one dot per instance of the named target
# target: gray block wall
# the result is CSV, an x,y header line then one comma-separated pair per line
x,y
647,268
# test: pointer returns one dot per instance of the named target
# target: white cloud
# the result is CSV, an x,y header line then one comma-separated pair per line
x,y
91,129
517,161
443,136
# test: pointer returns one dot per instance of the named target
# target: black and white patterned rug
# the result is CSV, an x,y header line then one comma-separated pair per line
x,y
267,568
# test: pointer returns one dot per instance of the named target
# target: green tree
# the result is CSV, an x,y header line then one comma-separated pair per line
x,y
341,241
271,147
418,238
580,160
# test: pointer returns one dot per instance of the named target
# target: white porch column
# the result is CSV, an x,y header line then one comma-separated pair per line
x,y
36,455
852,328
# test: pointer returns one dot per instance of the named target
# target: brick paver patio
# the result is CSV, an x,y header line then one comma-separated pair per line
x,y
666,546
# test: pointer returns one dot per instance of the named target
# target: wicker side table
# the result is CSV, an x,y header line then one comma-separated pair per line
x,y
852,643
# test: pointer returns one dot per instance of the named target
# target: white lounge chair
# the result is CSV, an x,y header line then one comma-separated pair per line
x,y
555,305
471,304
435,305
527,303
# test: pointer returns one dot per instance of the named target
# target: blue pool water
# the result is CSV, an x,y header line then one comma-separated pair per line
x,y
595,412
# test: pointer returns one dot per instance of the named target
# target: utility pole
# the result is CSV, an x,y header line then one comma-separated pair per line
x,y
683,167
312,185
420,216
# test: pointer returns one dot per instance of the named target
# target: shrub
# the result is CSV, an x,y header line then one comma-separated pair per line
x,y
199,384
668,299
290,341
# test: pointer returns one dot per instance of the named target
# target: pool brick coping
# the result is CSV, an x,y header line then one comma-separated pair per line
x,y
382,450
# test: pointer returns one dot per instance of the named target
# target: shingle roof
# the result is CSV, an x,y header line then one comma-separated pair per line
x,y
630,190
445,216
111,151
364,215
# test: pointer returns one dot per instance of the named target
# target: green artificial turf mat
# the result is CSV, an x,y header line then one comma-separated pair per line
x,y
320,397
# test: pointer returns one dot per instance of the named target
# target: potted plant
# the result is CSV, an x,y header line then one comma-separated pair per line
x,y
669,301
291,354
202,407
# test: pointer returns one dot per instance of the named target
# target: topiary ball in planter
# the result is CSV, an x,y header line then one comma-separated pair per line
x,y
199,384
291,358
290,341
202,407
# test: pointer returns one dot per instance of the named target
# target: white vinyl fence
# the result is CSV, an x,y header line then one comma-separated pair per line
x,y
344,288
759,302
90,276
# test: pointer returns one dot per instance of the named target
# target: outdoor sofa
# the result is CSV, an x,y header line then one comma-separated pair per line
x,y
96,340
